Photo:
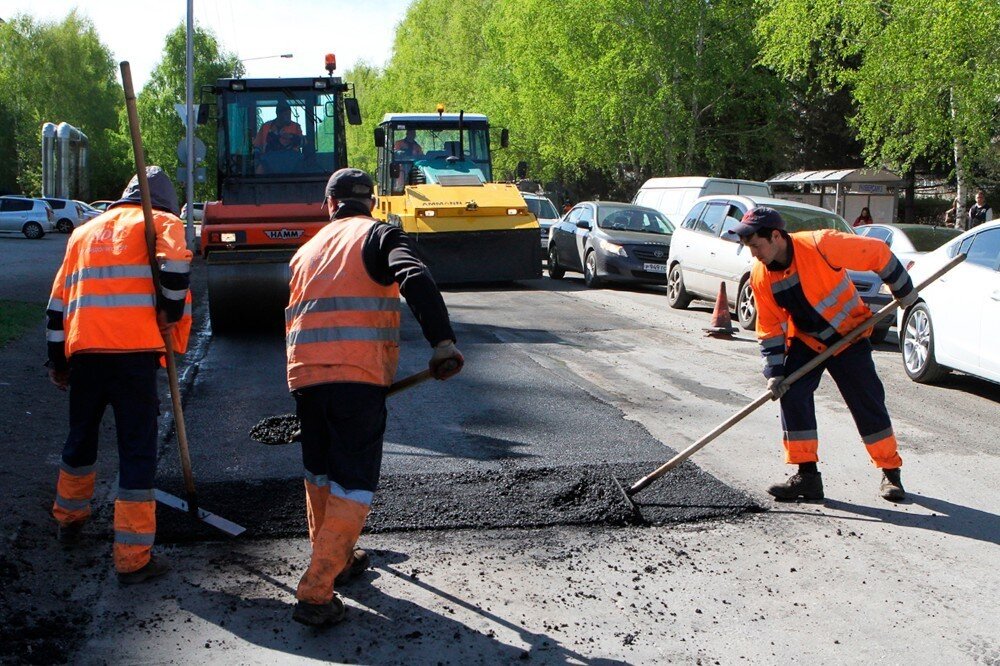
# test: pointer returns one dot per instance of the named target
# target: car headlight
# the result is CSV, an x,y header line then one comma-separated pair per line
x,y
613,248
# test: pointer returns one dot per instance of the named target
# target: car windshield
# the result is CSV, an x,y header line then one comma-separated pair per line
x,y
633,218
542,208
931,238
803,219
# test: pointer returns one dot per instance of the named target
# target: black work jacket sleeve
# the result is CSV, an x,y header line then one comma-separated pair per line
x,y
389,256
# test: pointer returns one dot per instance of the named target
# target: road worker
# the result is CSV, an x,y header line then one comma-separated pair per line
x,y
105,331
342,326
805,303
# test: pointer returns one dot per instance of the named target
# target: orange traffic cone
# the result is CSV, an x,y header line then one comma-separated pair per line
x,y
722,323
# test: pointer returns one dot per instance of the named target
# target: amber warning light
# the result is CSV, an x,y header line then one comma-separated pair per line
x,y
331,63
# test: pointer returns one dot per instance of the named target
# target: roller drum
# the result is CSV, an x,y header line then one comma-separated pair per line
x,y
247,290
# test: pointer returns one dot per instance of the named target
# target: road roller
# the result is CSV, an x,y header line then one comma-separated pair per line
x,y
435,181
278,142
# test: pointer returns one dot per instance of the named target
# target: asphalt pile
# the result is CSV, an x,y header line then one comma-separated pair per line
x,y
276,430
488,499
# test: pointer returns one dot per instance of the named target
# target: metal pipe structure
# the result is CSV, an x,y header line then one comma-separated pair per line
x,y
65,161
48,160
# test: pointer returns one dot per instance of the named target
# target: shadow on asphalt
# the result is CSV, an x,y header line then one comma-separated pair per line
x,y
947,518
385,625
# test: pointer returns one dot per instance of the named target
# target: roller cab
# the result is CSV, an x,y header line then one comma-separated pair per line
x,y
435,182
278,142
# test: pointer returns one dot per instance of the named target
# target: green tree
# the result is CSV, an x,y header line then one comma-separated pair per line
x,y
57,72
162,129
924,73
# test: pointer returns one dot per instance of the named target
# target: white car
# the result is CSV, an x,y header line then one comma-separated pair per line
x,y
909,241
69,213
703,255
544,211
87,212
953,325
197,212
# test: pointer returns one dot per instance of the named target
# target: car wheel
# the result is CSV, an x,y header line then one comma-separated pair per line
x,y
33,230
746,306
590,271
918,346
556,272
64,226
677,296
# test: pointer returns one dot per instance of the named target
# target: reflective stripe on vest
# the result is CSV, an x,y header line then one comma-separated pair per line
x,y
341,326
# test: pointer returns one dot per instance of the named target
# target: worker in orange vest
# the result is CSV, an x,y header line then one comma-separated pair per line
x,y
106,324
806,302
342,342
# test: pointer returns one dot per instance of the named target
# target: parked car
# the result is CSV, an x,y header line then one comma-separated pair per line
x,y
909,241
674,196
703,255
199,211
544,211
22,215
69,214
610,241
953,324
101,204
87,212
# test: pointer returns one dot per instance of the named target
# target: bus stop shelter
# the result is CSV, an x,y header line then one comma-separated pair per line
x,y
843,191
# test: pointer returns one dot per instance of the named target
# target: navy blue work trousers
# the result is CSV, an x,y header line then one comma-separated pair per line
x,y
127,382
342,429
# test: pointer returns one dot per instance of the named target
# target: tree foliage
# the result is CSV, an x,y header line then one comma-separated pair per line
x,y
57,72
597,93
924,74
162,128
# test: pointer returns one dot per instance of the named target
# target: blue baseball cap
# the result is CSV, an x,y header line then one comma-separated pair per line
x,y
756,219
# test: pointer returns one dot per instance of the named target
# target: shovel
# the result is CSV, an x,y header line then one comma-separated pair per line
x,y
766,397
291,422
191,505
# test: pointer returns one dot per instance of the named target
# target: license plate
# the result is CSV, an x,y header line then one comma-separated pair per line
x,y
655,268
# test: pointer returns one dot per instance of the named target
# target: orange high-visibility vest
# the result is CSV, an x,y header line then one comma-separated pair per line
x,y
818,271
340,325
104,288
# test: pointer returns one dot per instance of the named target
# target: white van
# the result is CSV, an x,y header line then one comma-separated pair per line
x,y
674,196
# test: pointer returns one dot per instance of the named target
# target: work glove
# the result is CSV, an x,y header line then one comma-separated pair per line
x,y
908,300
446,361
777,387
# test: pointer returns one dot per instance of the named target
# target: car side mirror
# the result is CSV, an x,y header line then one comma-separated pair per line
x,y
379,137
583,224
394,170
353,110
202,117
504,138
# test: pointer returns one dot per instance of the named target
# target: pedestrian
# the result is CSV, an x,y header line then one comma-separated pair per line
x,y
979,212
864,218
342,326
805,303
106,329
951,215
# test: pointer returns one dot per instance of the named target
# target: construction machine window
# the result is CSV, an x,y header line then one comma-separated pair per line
x,y
271,133
438,148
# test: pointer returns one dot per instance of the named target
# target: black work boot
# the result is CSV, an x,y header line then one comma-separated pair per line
x,y
356,566
69,534
319,615
801,485
892,486
157,566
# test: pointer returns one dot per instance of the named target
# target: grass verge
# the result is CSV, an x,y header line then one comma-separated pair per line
x,y
16,317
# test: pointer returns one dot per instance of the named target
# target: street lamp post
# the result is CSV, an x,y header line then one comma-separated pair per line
x,y
267,57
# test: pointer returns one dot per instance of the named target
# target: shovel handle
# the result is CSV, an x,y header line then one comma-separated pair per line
x,y
795,376
150,233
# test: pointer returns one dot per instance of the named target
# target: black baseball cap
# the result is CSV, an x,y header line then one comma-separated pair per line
x,y
350,184
756,219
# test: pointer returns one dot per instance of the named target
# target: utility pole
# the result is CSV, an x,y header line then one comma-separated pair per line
x,y
189,136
